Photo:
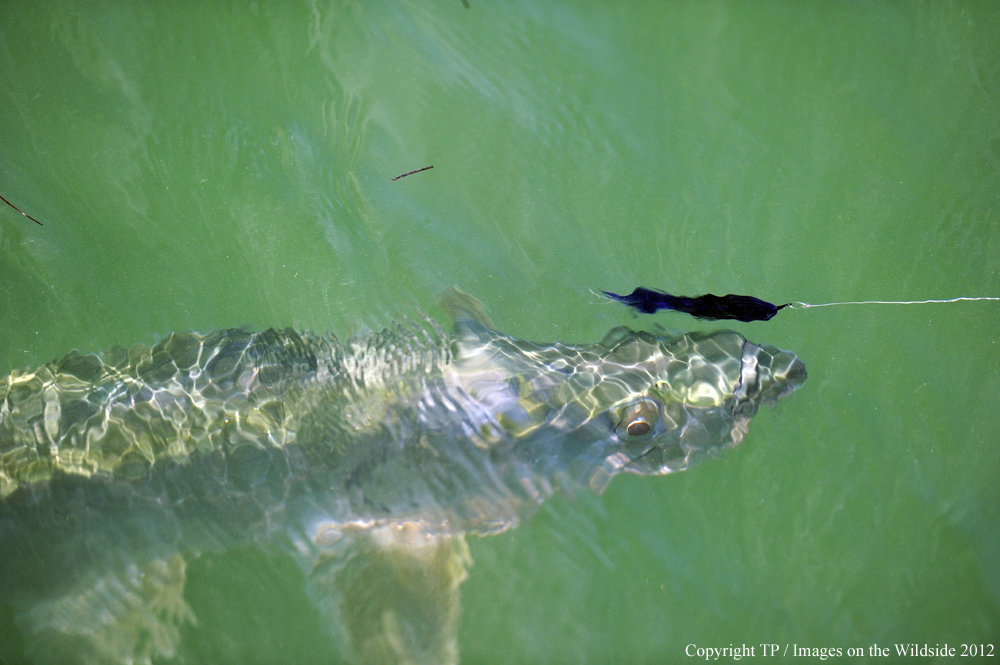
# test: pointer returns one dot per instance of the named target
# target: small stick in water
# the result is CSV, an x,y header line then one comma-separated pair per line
x,y
21,211
411,173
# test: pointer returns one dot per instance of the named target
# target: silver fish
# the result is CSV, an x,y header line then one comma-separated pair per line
x,y
368,460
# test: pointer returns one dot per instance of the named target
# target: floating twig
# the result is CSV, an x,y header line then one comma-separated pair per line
x,y
411,173
26,214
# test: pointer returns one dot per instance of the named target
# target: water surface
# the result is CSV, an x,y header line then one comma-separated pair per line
x,y
204,166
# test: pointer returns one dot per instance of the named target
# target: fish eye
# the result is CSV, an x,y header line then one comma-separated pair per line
x,y
638,419
638,428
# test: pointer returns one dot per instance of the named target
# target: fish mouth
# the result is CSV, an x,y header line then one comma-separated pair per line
x,y
767,374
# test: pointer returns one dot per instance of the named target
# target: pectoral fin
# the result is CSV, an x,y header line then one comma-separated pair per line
x,y
134,617
397,596
460,305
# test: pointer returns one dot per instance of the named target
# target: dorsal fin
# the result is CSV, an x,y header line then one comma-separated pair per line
x,y
460,305
614,336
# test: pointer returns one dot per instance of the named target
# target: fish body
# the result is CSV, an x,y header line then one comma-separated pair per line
x,y
367,460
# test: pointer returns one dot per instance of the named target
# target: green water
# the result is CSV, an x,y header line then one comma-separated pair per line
x,y
201,165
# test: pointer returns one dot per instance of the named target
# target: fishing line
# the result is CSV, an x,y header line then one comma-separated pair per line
x,y
805,305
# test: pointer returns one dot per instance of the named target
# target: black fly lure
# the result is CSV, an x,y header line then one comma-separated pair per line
x,y
708,306
744,308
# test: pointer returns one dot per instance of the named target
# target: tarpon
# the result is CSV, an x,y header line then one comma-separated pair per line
x,y
368,460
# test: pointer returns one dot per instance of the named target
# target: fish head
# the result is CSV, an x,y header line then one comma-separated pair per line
x,y
674,401
652,405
